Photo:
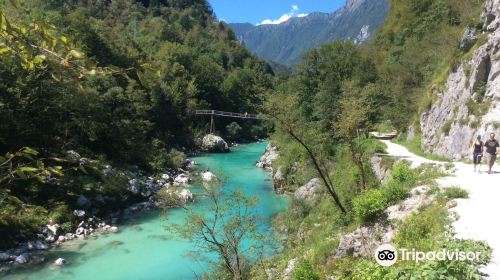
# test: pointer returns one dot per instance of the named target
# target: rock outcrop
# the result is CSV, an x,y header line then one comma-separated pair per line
x,y
469,104
267,159
309,191
215,144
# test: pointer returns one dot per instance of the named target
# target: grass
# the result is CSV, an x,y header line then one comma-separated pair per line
x,y
415,147
456,192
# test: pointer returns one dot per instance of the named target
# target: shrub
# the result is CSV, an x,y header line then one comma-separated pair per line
x,y
422,231
233,130
304,271
456,192
395,192
369,205
402,173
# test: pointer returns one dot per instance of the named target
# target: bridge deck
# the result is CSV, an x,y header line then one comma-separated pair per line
x,y
228,114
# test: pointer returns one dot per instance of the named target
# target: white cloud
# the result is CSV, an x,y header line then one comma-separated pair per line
x,y
285,17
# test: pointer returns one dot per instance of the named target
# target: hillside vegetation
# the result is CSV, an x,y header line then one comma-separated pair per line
x,y
115,81
338,93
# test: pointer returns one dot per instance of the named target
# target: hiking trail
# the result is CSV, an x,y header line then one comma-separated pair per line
x,y
477,214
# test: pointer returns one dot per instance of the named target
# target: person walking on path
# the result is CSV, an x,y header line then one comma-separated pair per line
x,y
477,153
492,149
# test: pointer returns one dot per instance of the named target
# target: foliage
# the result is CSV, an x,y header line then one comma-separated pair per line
x,y
221,229
233,130
456,192
369,205
115,81
422,231
304,271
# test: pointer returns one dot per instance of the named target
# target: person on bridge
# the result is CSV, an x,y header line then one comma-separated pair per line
x,y
477,152
492,149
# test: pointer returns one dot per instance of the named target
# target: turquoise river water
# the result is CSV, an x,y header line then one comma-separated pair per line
x,y
142,250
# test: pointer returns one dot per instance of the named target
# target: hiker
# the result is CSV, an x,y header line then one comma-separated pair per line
x,y
477,152
492,149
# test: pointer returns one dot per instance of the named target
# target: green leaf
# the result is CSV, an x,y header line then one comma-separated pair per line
x,y
28,169
55,171
30,151
75,54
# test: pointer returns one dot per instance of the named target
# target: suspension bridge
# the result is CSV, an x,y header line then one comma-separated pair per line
x,y
213,113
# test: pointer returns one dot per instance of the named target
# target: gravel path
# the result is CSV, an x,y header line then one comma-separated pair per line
x,y
478,214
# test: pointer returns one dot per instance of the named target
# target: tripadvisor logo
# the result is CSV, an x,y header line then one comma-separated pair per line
x,y
387,255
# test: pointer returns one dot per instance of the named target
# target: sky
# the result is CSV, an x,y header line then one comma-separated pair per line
x,y
269,11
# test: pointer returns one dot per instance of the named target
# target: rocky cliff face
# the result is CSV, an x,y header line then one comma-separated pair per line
x,y
469,105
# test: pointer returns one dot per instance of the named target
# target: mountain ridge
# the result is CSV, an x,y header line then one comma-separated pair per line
x,y
285,43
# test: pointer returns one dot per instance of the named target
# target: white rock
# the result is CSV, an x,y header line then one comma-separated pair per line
x,y
61,238
79,231
23,258
309,191
289,269
208,176
53,228
185,195
181,179
114,229
60,262
165,176
79,213
213,143
38,245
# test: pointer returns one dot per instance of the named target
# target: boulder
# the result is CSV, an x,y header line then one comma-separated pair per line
x,y
309,191
213,143
181,179
267,159
113,229
80,231
185,196
362,242
73,156
134,186
61,238
4,257
23,258
165,177
79,213
38,245
53,228
208,176
60,262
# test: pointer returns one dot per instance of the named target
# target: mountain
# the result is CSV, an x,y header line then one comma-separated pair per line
x,y
286,42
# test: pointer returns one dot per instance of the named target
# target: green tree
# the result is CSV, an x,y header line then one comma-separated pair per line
x,y
221,228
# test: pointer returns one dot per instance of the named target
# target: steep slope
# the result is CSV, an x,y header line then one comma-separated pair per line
x,y
286,42
469,103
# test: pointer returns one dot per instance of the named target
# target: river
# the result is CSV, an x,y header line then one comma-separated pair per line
x,y
142,248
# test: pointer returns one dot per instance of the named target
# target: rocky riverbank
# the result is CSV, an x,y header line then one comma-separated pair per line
x,y
266,161
169,189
